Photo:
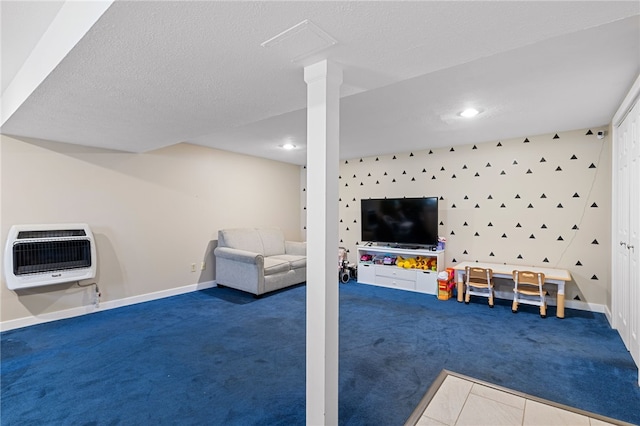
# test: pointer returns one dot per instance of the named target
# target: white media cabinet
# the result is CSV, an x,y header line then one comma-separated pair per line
x,y
422,281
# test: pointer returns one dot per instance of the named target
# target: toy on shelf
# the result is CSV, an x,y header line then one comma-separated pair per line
x,y
418,262
346,270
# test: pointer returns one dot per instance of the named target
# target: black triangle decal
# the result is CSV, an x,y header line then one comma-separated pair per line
x,y
592,166
560,206
404,172
361,160
441,223
354,176
466,197
504,235
518,225
377,159
411,155
304,189
442,169
545,260
474,147
578,263
452,233
347,206
502,206
556,136
441,198
595,242
424,170
589,132
393,181
526,140
575,227
385,173
346,184
529,171
515,162
594,205
476,175
451,150
413,179
517,196
433,177
361,184
499,144
464,167
489,197
543,226
394,157
543,196
490,224
453,177
573,157
560,238
491,254
477,206
355,221
558,169
346,161
454,260
377,182
577,298
502,173
453,206
533,237
369,175
347,228
465,252
488,165
530,206
594,277
476,235
430,152
519,256
542,160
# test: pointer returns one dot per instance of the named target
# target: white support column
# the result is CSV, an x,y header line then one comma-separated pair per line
x,y
323,127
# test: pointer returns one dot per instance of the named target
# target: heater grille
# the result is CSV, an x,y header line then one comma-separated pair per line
x,y
46,256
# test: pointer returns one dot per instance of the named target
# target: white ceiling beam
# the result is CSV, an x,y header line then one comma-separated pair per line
x,y
72,22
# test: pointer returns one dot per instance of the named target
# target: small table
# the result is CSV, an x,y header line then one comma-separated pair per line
x,y
551,276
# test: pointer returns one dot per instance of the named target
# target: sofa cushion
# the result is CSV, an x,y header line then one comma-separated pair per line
x,y
274,265
295,260
243,239
272,241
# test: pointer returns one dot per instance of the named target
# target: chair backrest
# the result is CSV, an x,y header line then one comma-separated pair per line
x,y
528,278
478,275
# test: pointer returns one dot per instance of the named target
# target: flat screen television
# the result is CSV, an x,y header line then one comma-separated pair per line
x,y
400,221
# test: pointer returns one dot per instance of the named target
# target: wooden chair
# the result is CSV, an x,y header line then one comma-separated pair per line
x,y
528,289
478,282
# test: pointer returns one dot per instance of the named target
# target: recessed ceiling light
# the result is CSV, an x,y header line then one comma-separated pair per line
x,y
288,146
469,112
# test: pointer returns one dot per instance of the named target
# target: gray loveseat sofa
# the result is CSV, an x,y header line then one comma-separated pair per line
x,y
259,260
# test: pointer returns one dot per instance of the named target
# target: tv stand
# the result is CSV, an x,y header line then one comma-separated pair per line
x,y
392,276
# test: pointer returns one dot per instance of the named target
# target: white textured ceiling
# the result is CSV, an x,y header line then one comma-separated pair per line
x,y
152,74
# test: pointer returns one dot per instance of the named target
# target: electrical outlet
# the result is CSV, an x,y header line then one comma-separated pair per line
x,y
203,266
193,267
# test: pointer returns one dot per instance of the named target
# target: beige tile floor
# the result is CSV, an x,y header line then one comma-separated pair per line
x,y
456,400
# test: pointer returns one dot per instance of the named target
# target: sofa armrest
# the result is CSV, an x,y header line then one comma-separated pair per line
x,y
239,255
295,247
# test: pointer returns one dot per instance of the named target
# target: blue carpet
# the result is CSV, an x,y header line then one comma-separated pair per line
x,y
221,357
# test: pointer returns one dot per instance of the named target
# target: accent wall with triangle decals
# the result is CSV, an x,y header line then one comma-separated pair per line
x,y
536,200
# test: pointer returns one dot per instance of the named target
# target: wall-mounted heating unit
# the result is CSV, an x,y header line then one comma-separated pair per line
x,y
37,255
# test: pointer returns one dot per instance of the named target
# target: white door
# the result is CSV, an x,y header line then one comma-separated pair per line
x,y
633,247
620,303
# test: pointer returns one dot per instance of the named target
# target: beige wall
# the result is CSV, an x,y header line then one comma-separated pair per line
x,y
584,178
152,214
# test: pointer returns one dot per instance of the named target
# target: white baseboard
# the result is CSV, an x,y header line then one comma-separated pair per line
x,y
571,304
103,306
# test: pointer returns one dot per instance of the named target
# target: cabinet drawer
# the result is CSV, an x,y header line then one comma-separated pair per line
x,y
396,283
427,282
394,272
